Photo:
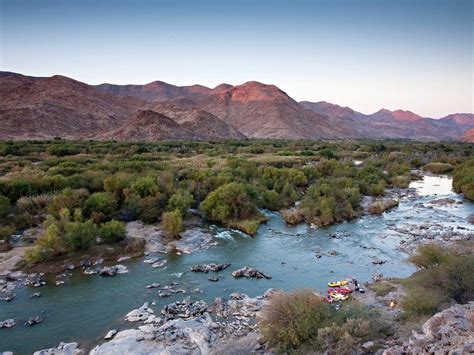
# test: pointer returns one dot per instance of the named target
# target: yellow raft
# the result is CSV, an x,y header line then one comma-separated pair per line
x,y
338,297
337,283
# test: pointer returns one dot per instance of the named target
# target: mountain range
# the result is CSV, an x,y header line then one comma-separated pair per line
x,y
57,106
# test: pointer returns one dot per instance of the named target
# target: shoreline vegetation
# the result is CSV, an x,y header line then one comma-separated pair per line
x,y
81,198
81,194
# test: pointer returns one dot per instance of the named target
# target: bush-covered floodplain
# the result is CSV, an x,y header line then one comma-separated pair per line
x,y
83,192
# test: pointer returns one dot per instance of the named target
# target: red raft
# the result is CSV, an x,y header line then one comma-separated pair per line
x,y
340,290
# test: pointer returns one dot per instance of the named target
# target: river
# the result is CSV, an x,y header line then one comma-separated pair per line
x,y
87,306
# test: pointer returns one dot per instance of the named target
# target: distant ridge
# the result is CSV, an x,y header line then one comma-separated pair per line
x,y
57,106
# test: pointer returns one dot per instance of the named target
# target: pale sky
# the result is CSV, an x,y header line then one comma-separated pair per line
x,y
368,54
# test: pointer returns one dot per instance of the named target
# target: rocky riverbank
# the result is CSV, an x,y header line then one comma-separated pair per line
x,y
187,326
449,331
230,326
191,239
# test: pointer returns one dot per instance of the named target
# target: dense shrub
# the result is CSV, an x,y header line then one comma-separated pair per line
x,y
291,320
445,275
150,208
249,226
302,322
438,168
382,205
79,235
100,206
346,338
328,201
401,181
421,302
233,201
112,232
70,199
293,216
144,186
172,224
5,206
48,245
463,179
327,153
429,256
5,235
68,234
181,200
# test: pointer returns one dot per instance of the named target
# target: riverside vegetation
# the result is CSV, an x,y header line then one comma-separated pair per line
x,y
82,193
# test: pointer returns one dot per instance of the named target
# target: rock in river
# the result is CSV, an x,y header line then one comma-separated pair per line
x,y
113,270
184,309
209,267
139,314
110,334
34,320
9,323
153,285
250,273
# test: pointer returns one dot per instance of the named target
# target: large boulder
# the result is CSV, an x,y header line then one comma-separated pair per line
x,y
209,267
8,323
140,314
250,273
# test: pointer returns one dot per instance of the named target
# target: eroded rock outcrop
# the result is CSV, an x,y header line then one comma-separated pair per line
x,y
450,331
192,327
155,242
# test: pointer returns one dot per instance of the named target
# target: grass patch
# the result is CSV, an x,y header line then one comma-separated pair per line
x,y
381,206
248,226
438,168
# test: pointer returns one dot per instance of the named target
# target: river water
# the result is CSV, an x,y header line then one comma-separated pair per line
x,y
87,306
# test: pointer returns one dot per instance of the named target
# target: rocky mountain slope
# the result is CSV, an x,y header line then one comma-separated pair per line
x,y
39,108
58,106
468,136
399,123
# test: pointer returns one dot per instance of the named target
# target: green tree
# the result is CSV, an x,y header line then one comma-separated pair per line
x,y
144,186
5,206
234,201
101,206
172,224
48,245
112,232
181,200
79,235
327,153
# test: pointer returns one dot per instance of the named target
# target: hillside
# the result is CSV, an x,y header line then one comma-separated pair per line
x,y
57,106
